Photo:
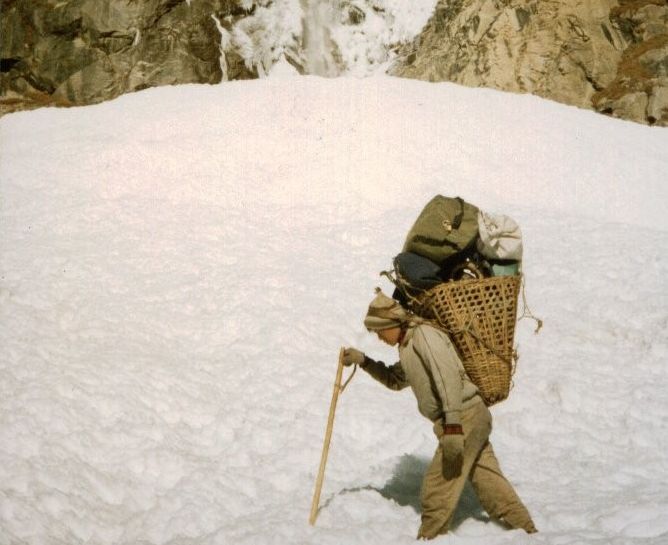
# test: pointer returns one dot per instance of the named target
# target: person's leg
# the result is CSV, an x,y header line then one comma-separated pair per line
x,y
439,497
440,490
496,494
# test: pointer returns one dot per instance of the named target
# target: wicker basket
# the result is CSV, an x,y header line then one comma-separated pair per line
x,y
479,315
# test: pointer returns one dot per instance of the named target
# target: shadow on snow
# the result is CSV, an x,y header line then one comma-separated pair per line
x,y
404,488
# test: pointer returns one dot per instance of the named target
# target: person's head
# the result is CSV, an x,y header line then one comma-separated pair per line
x,y
386,317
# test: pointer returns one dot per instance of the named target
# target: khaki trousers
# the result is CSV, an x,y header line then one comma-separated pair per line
x,y
440,494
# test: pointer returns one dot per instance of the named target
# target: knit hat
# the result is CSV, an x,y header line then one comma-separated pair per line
x,y
384,313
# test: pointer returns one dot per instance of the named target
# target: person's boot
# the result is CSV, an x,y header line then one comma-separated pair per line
x,y
530,528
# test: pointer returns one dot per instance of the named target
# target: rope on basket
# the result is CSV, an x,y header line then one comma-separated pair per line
x,y
526,311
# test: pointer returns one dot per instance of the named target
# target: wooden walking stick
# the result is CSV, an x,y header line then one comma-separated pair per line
x,y
328,435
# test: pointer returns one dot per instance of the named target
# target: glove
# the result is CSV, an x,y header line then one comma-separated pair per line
x,y
352,356
452,443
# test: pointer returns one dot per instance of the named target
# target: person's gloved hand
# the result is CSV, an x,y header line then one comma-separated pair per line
x,y
452,443
352,356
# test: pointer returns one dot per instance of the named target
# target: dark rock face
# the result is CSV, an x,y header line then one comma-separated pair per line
x,y
606,55
86,51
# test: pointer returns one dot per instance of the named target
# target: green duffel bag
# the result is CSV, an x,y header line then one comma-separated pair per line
x,y
445,227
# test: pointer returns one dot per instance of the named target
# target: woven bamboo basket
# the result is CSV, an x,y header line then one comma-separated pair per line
x,y
480,316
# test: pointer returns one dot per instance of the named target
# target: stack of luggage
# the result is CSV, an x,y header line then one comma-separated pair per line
x,y
460,269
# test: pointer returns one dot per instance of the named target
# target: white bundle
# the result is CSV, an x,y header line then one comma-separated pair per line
x,y
500,237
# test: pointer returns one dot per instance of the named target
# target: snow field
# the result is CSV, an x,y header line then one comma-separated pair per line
x,y
179,267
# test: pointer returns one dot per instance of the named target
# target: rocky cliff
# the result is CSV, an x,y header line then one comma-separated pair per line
x,y
607,55
87,51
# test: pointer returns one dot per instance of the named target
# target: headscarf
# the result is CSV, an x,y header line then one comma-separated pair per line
x,y
385,313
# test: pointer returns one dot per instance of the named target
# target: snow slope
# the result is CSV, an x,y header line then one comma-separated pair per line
x,y
179,267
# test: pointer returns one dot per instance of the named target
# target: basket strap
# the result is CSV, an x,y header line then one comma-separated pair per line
x,y
457,220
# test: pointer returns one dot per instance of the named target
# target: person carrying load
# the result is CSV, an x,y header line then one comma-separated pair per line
x,y
430,365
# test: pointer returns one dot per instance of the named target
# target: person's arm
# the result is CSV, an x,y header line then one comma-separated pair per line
x,y
440,358
392,376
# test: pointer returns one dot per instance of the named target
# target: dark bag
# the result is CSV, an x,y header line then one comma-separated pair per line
x,y
445,227
417,271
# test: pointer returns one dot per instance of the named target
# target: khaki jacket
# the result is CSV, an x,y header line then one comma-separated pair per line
x,y
430,365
